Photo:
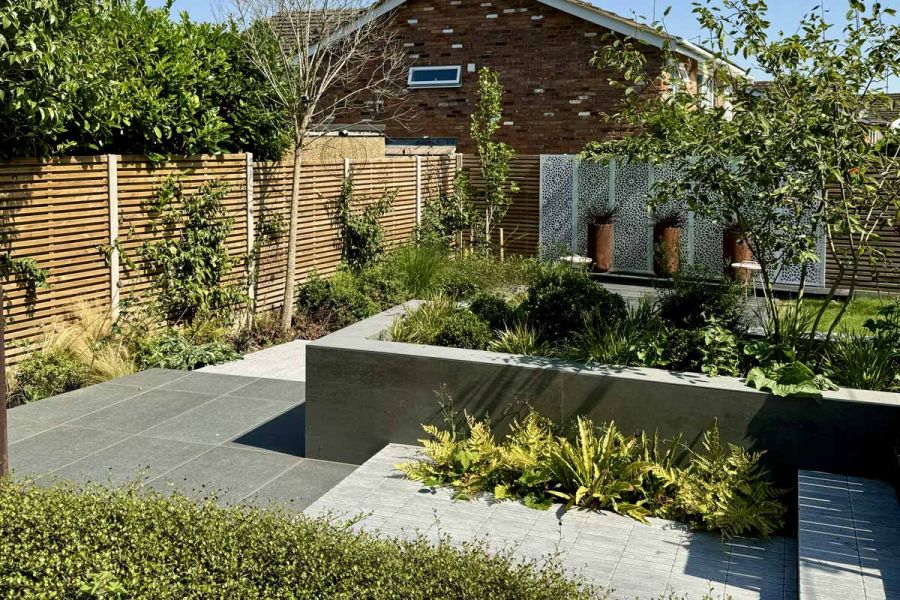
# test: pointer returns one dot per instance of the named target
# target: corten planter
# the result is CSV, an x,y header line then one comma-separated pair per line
x,y
735,249
666,250
600,246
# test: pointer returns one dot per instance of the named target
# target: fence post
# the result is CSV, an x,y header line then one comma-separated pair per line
x,y
112,183
346,169
418,191
502,246
251,235
459,163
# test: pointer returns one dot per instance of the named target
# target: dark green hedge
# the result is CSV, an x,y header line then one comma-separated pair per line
x,y
68,542
116,76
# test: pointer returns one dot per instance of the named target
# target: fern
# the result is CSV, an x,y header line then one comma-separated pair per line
x,y
722,487
728,490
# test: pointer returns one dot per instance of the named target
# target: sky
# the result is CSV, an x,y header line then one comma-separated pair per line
x,y
784,14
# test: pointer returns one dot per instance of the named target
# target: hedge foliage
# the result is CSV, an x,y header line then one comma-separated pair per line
x,y
89,76
70,542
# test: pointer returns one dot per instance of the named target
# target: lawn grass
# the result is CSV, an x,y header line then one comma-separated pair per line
x,y
860,310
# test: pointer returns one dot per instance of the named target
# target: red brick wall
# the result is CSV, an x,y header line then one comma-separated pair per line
x,y
554,98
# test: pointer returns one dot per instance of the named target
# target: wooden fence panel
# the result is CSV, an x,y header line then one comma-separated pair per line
x,y
522,221
57,212
139,182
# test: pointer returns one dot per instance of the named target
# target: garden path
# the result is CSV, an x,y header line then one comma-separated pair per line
x,y
618,553
241,439
284,361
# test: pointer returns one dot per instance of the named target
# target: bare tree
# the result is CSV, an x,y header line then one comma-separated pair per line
x,y
327,62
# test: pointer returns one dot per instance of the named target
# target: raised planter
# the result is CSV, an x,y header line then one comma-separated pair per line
x,y
363,393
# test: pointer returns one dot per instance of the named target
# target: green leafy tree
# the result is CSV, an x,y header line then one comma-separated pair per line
x,y
87,76
786,162
494,157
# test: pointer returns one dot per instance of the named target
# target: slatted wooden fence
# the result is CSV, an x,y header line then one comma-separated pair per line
x,y
66,212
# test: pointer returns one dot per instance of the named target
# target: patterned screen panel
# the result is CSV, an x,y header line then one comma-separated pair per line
x,y
632,230
557,179
593,194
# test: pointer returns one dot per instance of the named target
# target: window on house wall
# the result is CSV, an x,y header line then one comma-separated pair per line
x,y
706,89
679,77
435,77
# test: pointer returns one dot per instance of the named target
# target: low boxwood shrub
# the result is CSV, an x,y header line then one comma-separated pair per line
x,y
342,300
463,329
559,298
90,542
698,296
493,310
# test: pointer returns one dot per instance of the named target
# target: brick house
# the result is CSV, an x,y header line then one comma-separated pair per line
x,y
541,49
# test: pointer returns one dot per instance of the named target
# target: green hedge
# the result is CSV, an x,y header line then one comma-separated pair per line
x,y
71,542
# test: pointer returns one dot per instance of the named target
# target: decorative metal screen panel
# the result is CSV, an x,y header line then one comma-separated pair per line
x,y
556,194
632,232
570,189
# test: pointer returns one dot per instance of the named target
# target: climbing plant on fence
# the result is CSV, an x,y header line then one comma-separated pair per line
x,y
190,264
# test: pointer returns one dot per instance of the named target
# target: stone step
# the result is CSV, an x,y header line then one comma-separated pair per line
x,y
848,538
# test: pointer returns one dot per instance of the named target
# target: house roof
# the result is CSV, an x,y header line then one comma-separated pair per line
x,y
588,12
887,110
285,23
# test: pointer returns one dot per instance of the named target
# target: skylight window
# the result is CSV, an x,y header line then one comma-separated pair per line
x,y
435,77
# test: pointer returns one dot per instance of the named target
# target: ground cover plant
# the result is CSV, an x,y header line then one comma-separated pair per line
x,y
593,466
91,542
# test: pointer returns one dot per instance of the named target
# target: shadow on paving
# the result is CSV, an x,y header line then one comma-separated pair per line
x,y
286,433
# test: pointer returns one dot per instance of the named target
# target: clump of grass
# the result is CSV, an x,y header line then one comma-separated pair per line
x,y
520,338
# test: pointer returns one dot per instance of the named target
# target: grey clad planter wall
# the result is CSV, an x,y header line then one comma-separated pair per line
x,y
363,393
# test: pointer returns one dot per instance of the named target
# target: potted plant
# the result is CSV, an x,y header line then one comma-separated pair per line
x,y
600,237
667,226
735,249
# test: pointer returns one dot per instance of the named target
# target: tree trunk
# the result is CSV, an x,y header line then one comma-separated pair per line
x,y
287,311
4,441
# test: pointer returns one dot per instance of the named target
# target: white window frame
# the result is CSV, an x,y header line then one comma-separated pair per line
x,y
706,87
456,82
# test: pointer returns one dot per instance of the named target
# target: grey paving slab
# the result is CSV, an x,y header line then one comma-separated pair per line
x,y
218,420
45,452
301,485
849,538
227,473
273,389
132,460
207,383
284,361
245,447
71,405
18,429
151,378
144,410
629,558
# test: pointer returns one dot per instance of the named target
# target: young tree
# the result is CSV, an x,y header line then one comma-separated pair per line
x,y
786,162
324,61
493,156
